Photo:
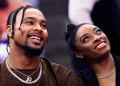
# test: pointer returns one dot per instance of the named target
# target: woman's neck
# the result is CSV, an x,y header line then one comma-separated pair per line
x,y
104,67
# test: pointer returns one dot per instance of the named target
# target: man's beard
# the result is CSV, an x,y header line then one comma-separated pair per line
x,y
33,51
30,50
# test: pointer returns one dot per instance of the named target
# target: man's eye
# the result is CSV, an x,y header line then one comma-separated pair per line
x,y
29,22
43,26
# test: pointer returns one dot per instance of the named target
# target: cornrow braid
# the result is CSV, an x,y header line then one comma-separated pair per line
x,y
24,9
23,14
12,19
9,21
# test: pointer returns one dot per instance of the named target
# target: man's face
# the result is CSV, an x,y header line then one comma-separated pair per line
x,y
33,33
92,42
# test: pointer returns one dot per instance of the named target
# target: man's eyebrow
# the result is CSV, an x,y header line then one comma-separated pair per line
x,y
33,18
43,21
30,18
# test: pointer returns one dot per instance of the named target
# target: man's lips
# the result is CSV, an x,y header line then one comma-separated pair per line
x,y
35,36
35,40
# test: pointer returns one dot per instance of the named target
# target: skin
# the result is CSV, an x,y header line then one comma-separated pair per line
x,y
33,22
93,45
88,37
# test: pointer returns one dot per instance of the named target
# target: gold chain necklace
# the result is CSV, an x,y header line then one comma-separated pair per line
x,y
107,75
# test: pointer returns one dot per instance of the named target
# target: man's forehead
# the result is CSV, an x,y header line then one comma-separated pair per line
x,y
31,12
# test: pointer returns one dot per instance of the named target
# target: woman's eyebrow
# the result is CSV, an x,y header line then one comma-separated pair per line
x,y
95,28
82,36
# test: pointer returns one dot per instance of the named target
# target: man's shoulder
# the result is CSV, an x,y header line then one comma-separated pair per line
x,y
64,75
58,69
2,64
55,66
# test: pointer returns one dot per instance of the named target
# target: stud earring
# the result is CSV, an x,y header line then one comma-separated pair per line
x,y
82,57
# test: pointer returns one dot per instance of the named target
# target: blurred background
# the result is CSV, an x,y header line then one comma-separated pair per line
x,y
61,12
56,12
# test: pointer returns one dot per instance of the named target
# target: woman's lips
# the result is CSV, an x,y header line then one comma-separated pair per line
x,y
101,45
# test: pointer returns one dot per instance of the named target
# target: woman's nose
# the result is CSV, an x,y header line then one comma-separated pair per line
x,y
97,38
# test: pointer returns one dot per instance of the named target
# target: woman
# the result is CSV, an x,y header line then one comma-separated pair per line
x,y
92,46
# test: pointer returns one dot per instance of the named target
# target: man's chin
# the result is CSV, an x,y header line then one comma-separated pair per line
x,y
33,51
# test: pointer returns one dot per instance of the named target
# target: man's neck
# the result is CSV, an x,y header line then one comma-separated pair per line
x,y
20,59
23,62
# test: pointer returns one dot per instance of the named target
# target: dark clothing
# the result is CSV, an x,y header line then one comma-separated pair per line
x,y
105,15
52,75
90,78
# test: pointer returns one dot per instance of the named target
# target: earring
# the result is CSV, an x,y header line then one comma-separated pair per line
x,y
82,57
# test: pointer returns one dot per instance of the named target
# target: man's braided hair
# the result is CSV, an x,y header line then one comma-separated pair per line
x,y
12,19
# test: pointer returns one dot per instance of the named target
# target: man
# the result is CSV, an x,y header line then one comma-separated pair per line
x,y
28,35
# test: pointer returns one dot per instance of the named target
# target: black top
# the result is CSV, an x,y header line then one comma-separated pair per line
x,y
90,78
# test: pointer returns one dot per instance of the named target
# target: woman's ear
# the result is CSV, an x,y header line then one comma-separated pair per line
x,y
9,30
79,55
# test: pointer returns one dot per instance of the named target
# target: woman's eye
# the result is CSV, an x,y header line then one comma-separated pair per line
x,y
99,31
85,39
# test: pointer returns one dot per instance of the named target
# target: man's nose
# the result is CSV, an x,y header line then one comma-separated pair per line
x,y
38,28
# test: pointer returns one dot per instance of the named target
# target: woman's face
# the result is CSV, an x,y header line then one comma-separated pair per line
x,y
91,42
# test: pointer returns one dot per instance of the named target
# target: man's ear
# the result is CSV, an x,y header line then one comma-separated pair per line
x,y
79,55
9,30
